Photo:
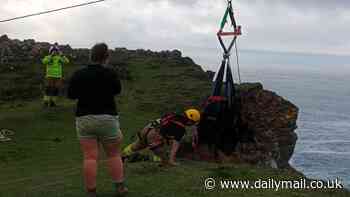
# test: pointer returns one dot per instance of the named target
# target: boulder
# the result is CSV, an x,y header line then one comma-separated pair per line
x,y
175,54
4,38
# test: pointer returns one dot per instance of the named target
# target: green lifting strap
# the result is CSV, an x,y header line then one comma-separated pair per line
x,y
224,19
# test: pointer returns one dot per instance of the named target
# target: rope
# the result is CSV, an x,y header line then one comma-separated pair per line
x,y
50,11
238,67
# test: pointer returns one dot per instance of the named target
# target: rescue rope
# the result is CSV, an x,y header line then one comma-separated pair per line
x,y
50,11
238,66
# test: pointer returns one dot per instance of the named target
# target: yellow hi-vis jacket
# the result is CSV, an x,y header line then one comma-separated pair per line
x,y
54,64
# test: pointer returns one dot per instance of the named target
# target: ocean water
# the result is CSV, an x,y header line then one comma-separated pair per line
x,y
322,94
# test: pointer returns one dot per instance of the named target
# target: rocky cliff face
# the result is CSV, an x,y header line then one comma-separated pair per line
x,y
273,121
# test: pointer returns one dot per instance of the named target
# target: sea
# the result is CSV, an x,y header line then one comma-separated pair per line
x,y
320,86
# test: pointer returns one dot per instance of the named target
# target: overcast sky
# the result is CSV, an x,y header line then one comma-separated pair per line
x,y
302,26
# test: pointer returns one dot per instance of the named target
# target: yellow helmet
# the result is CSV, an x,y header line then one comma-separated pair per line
x,y
193,115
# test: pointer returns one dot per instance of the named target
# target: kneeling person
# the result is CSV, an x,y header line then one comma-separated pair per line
x,y
168,130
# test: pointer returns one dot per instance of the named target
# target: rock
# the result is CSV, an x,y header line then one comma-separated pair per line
x,y
187,61
4,38
29,43
272,119
35,50
175,54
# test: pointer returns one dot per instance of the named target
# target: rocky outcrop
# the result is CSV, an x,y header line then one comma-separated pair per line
x,y
271,120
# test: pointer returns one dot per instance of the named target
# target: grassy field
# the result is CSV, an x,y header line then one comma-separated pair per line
x,y
44,159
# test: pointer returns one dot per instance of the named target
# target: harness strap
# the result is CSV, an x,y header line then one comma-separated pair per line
x,y
170,119
216,99
178,123
224,19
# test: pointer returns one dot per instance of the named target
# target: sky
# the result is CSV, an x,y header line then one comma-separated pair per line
x,y
282,30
